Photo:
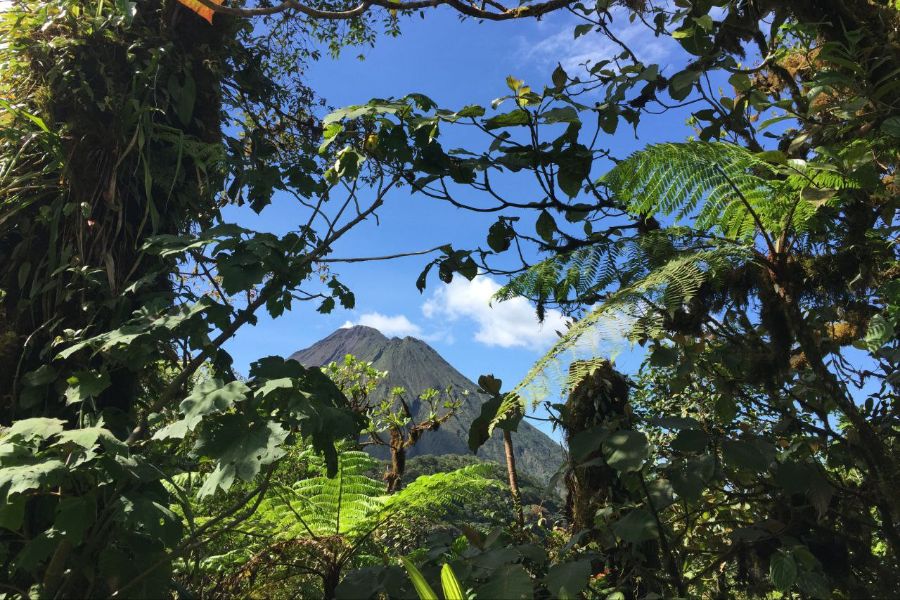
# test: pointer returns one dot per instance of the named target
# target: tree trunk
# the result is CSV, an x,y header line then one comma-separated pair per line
x,y
394,477
600,396
330,583
513,478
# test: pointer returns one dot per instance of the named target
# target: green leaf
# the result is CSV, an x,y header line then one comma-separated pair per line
x,y
38,427
891,127
584,443
210,396
573,576
12,513
348,163
704,21
683,32
88,437
726,408
561,114
661,493
422,588
36,551
740,82
545,226
626,451
775,157
510,119
664,356
691,440
820,493
141,513
814,585
582,29
24,478
782,571
240,450
327,306
881,330
509,582
74,517
470,111
574,169
84,385
499,411
793,477
42,376
559,76
744,456
681,83
500,235
637,526
450,584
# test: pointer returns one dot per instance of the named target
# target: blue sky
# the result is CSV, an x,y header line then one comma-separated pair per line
x,y
455,63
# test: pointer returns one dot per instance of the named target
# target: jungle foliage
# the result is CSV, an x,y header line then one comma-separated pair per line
x,y
755,455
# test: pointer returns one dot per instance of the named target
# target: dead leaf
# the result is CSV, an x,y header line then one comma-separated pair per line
x,y
203,11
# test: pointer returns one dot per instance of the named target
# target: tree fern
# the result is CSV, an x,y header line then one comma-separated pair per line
x,y
727,206
352,505
324,506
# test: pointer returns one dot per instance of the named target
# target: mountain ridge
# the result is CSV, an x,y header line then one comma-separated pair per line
x,y
414,365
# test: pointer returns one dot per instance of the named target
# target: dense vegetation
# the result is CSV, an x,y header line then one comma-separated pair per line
x,y
755,455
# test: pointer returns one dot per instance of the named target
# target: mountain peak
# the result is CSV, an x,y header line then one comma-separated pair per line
x,y
415,366
358,331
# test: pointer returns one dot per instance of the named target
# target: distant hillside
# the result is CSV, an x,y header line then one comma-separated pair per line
x,y
416,366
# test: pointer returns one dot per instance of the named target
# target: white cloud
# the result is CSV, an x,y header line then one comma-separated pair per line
x,y
561,47
396,326
505,324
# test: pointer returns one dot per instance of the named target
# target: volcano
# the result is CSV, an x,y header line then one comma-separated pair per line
x,y
416,366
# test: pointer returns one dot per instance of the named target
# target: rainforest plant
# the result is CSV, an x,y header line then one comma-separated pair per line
x,y
311,528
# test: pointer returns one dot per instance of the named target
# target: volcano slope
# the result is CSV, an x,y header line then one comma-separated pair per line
x,y
416,366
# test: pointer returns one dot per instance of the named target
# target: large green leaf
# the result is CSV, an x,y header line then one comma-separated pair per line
x,y
422,588
88,437
450,584
208,397
739,454
84,385
881,330
240,450
27,477
793,477
36,550
75,516
814,585
509,582
573,576
586,442
637,526
39,427
626,451
782,571
691,440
